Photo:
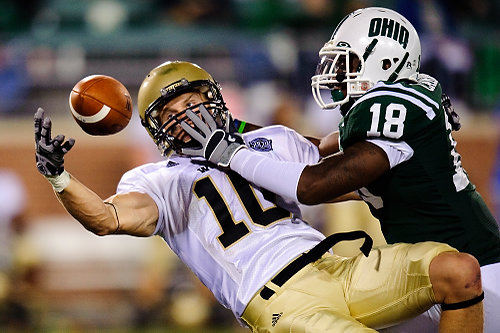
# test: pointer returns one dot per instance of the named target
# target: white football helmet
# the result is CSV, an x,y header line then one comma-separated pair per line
x,y
368,45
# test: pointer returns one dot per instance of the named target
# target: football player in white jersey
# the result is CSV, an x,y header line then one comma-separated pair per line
x,y
247,245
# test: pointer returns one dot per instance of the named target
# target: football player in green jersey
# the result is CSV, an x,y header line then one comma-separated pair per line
x,y
396,146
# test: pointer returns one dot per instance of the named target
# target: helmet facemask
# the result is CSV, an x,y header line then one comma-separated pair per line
x,y
341,80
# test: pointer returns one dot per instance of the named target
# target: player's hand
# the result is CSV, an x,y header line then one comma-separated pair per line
x,y
453,117
49,152
217,145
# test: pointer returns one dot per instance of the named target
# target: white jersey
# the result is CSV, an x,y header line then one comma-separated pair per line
x,y
233,236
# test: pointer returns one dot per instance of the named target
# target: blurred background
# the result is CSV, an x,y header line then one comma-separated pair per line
x,y
54,275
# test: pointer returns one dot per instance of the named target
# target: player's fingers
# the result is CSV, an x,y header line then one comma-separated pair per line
x,y
39,114
229,121
46,127
191,152
198,123
208,117
58,140
68,145
192,132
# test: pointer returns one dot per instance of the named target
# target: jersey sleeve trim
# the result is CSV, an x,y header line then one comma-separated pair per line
x,y
397,151
160,223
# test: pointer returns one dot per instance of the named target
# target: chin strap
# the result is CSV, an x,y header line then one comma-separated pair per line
x,y
464,304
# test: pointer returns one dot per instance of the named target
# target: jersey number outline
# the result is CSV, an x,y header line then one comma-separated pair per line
x,y
233,231
395,115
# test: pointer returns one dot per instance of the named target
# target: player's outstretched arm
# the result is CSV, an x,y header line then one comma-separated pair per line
x,y
337,175
131,213
324,182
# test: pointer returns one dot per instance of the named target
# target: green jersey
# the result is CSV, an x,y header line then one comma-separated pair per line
x,y
428,196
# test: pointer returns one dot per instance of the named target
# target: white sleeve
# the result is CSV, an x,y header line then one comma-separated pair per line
x,y
280,171
280,177
304,150
397,151
135,181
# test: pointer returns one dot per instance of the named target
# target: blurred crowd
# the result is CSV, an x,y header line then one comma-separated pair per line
x,y
263,52
46,44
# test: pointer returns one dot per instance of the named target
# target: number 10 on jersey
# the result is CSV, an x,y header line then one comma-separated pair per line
x,y
233,231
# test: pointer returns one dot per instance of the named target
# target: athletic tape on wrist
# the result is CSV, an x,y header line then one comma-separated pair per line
x,y
59,183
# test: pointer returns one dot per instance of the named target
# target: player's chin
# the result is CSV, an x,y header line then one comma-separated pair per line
x,y
341,87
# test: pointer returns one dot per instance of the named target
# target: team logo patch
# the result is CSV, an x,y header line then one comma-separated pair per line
x,y
261,144
171,164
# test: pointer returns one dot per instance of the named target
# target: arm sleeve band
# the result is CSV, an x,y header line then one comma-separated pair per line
x,y
280,177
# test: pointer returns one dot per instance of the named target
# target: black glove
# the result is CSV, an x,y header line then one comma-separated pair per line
x,y
49,152
453,117
217,145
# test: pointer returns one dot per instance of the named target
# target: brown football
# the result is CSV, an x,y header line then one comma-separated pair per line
x,y
100,104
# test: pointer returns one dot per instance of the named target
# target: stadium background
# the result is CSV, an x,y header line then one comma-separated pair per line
x,y
56,276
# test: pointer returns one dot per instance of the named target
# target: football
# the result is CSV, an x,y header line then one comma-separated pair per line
x,y
100,104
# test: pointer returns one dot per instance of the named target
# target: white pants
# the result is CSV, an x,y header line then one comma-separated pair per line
x,y
428,321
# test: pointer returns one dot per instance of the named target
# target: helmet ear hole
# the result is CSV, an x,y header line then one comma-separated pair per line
x,y
386,64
